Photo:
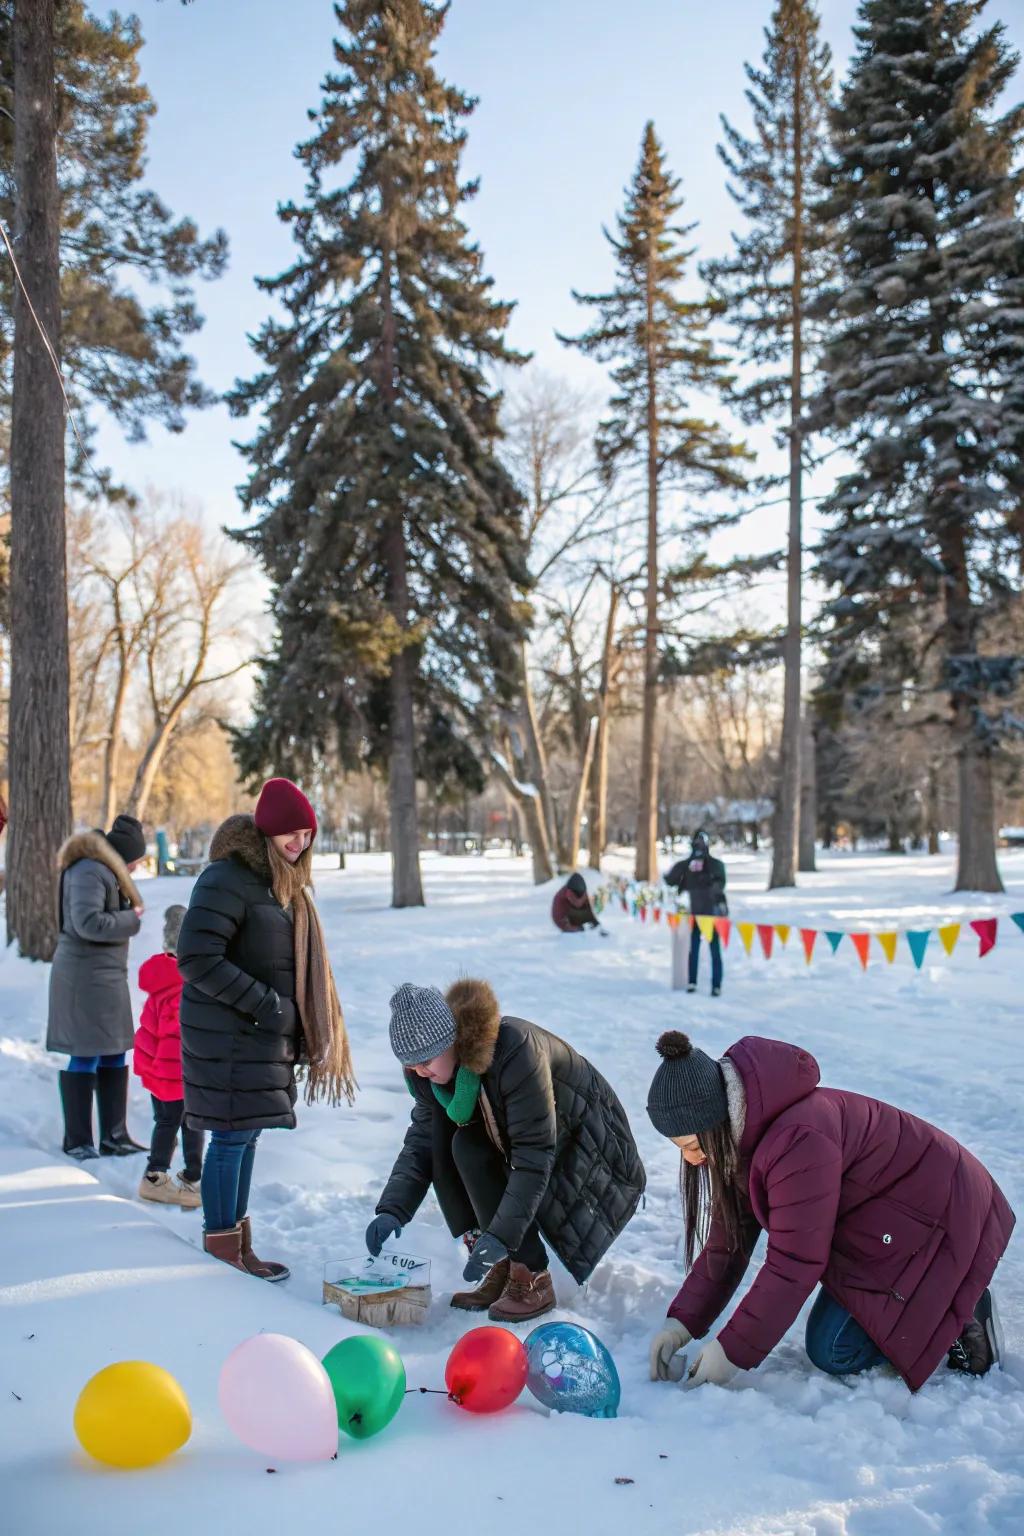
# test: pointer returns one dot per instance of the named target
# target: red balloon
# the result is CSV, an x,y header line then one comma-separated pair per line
x,y
486,1370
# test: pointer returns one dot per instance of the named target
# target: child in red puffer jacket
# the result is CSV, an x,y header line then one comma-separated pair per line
x,y
158,1064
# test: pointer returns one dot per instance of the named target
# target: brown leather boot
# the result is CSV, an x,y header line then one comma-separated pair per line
x,y
525,1297
490,1290
226,1246
263,1269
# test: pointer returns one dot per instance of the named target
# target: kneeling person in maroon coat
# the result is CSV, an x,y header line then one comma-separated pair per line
x,y
571,910
900,1225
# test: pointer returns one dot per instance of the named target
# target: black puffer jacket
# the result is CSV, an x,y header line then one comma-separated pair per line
x,y
705,885
239,1023
573,1163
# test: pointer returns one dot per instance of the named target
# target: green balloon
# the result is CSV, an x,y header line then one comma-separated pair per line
x,y
368,1379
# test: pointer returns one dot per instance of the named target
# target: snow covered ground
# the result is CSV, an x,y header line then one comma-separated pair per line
x,y
88,1275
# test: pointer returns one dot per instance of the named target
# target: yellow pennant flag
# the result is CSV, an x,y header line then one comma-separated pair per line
x,y
707,928
783,930
888,942
746,933
949,936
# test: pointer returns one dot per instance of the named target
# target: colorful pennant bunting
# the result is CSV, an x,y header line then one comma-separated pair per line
x,y
723,927
808,938
1018,918
949,935
888,941
783,930
986,928
862,944
835,939
707,928
746,933
766,933
918,942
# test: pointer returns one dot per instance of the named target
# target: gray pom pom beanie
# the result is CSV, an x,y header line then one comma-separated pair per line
x,y
688,1093
422,1024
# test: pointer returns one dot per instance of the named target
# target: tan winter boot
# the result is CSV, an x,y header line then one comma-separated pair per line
x,y
525,1297
163,1190
490,1290
226,1246
263,1269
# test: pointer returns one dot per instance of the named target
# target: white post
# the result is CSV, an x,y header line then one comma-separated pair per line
x,y
680,954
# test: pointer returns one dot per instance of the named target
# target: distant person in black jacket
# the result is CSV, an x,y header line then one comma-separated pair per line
x,y
702,879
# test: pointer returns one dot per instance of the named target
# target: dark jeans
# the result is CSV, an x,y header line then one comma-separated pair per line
x,y
716,957
470,1178
94,1063
837,1344
227,1175
167,1118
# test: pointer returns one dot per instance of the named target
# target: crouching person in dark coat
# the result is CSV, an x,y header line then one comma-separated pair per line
x,y
520,1137
90,1017
571,910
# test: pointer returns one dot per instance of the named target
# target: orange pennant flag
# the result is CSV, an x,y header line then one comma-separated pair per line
x,y
746,933
766,933
783,930
862,943
949,935
723,927
888,942
808,937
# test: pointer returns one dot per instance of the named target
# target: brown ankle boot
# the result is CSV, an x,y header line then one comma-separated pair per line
x,y
263,1269
490,1290
226,1246
525,1297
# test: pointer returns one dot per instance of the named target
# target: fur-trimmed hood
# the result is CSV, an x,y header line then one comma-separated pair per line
x,y
477,1021
240,836
93,845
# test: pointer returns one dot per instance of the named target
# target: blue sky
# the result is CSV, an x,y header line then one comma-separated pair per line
x,y
565,88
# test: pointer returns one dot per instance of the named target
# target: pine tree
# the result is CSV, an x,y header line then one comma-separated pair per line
x,y
661,353
390,531
776,262
72,157
923,196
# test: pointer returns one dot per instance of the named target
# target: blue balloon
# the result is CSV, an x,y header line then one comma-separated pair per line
x,y
571,1371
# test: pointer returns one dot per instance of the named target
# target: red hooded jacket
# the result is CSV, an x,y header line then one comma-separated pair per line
x,y
158,1037
901,1224
564,904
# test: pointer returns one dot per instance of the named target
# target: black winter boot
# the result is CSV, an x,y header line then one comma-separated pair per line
x,y
980,1345
112,1098
76,1091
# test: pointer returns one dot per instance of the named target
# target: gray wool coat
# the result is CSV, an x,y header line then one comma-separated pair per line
x,y
90,1005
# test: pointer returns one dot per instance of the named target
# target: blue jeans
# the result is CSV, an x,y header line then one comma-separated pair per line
x,y
716,957
227,1175
94,1063
837,1344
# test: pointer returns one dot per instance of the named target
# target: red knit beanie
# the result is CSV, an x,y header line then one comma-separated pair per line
x,y
282,807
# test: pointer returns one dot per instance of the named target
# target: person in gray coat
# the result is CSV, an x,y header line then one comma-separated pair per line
x,y
90,1006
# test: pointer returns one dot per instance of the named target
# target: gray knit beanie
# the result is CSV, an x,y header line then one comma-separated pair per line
x,y
173,918
687,1095
422,1024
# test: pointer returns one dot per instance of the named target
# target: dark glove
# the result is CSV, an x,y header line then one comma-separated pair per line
x,y
269,1009
488,1250
380,1229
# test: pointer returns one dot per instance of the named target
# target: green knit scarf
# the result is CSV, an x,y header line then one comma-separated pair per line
x,y
459,1103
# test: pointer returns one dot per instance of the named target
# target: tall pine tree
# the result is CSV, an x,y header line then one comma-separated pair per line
x,y
389,529
923,201
777,261
661,356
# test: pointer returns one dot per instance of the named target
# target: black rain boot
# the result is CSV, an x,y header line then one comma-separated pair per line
x,y
980,1346
112,1098
76,1091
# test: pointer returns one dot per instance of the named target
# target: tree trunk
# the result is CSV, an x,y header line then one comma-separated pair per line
x,y
785,832
40,768
579,798
647,812
808,797
536,828
112,746
406,884
932,810
598,824
536,756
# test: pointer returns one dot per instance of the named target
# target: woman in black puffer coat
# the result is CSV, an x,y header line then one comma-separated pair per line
x,y
521,1138
248,1012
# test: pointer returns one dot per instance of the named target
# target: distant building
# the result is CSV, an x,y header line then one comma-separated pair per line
x,y
734,821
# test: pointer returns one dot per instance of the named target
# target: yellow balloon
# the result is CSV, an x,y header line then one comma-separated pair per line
x,y
132,1414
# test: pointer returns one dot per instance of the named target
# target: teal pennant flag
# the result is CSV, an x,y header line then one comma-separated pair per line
x,y
835,939
918,944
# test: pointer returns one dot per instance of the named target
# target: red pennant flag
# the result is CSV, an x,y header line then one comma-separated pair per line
x,y
985,928
808,937
862,944
723,927
643,914
657,914
766,933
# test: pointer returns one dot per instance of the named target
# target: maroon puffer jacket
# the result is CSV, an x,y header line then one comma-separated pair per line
x,y
897,1220
572,913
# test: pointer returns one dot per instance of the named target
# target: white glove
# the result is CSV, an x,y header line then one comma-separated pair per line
x,y
712,1365
665,1347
